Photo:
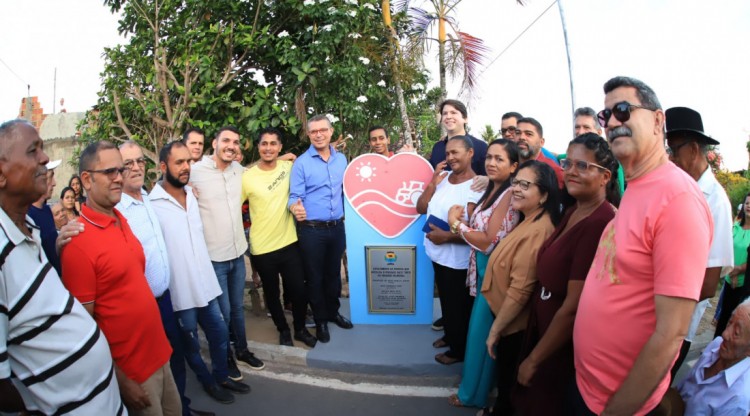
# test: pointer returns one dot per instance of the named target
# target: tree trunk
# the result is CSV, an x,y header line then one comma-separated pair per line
x,y
441,57
395,58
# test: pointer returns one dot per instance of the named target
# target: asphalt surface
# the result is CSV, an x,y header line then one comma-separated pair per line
x,y
280,398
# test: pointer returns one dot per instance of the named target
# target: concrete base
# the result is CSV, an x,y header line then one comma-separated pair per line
x,y
397,350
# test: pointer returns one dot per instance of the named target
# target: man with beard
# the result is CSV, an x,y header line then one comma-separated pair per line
x,y
530,139
193,284
218,180
648,269
53,358
275,248
136,207
103,267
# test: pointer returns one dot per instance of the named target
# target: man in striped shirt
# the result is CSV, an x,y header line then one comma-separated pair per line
x,y
53,357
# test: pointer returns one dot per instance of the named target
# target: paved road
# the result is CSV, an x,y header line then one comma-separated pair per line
x,y
278,398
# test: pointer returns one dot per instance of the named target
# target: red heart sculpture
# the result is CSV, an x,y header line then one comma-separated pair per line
x,y
384,191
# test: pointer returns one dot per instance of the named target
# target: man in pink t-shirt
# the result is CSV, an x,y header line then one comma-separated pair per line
x,y
648,270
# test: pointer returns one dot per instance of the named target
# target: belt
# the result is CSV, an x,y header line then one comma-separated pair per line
x,y
322,224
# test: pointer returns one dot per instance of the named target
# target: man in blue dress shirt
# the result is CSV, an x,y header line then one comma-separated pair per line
x,y
316,200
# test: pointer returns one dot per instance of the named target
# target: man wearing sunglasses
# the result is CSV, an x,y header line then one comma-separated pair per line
x,y
688,149
105,267
648,270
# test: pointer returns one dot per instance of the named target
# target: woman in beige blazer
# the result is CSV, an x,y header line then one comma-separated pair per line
x,y
511,271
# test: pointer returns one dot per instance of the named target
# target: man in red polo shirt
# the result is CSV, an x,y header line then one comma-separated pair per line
x,y
105,267
530,139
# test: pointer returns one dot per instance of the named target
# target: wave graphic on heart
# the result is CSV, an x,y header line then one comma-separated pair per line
x,y
384,191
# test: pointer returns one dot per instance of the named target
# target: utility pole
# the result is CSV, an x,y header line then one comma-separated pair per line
x,y
567,53
54,92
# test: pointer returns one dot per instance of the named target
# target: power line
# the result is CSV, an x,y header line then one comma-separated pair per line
x,y
518,37
14,72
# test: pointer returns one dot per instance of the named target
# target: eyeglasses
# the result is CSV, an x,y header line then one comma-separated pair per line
x,y
521,183
672,150
621,111
508,130
315,132
130,162
110,172
581,165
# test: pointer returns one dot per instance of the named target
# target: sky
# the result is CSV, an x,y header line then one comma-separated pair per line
x,y
692,53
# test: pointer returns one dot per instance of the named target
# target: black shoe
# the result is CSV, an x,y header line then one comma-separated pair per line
x,y
321,331
251,360
342,322
194,412
219,394
235,386
234,372
285,338
306,337
438,324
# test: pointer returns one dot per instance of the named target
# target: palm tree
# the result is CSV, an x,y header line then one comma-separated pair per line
x,y
458,51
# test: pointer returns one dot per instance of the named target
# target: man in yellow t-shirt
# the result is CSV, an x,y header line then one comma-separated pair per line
x,y
275,249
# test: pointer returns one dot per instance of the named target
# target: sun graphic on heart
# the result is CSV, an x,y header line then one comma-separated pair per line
x,y
366,172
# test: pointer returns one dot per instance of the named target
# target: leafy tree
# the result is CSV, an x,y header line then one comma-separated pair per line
x,y
489,134
252,64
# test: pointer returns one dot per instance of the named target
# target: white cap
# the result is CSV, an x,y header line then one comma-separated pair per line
x,y
53,164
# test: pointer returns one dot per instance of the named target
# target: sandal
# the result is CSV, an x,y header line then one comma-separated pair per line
x,y
453,400
439,343
486,411
444,359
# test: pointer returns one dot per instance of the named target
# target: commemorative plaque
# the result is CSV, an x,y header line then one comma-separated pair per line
x,y
391,279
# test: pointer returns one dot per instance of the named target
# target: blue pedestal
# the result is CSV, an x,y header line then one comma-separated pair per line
x,y
358,235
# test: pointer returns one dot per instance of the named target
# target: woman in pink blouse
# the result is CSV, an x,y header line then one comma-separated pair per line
x,y
491,220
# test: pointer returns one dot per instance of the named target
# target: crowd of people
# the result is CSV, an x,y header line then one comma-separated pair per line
x,y
558,291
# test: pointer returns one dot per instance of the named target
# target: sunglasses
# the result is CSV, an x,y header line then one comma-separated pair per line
x,y
111,173
521,183
509,129
621,111
581,165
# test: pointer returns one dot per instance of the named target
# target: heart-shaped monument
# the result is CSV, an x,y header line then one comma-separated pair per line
x,y
384,191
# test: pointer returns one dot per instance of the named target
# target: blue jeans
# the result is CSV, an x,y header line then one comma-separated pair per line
x,y
177,360
231,275
215,328
321,250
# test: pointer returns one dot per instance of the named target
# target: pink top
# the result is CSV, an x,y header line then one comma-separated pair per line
x,y
479,221
657,244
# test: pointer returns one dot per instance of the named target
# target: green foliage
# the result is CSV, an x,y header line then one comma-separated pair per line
x,y
737,186
489,134
251,64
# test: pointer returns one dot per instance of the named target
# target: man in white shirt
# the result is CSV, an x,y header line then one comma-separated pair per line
x,y
193,284
687,148
218,180
719,383
136,208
